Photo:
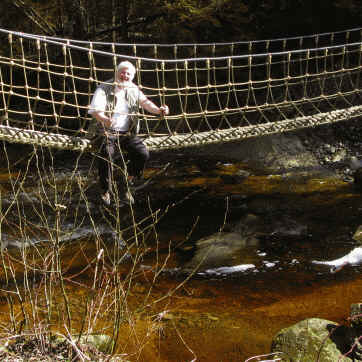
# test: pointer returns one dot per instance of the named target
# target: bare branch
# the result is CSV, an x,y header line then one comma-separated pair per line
x,y
140,21
33,15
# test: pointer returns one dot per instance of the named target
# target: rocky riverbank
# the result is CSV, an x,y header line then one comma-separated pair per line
x,y
328,146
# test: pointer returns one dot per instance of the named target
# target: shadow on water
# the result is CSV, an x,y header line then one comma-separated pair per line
x,y
232,305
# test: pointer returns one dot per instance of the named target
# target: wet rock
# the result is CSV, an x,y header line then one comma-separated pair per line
x,y
280,151
355,163
339,156
218,250
227,270
357,176
165,316
314,339
317,339
236,178
101,342
235,249
264,205
356,315
358,235
238,202
355,166
249,226
227,252
287,227
279,225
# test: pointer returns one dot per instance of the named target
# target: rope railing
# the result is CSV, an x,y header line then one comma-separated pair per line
x,y
216,92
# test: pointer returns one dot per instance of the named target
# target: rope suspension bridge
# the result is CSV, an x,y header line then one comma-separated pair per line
x,y
217,92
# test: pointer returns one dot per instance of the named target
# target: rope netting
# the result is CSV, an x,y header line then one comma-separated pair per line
x,y
216,92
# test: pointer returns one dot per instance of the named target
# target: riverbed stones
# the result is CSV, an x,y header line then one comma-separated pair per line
x,y
101,342
315,339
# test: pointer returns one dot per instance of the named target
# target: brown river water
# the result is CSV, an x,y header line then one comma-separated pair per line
x,y
214,315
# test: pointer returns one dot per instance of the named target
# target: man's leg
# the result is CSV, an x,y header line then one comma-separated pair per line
x,y
138,155
105,167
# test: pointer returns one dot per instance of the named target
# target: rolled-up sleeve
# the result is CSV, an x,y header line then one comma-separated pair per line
x,y
141,97
99,102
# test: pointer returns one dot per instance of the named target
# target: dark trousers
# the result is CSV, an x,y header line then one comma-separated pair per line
x,y
119,151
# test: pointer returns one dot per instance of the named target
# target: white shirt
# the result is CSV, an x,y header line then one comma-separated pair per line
x,y
120,120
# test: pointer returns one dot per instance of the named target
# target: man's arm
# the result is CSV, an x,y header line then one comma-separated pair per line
x,y
102,118
152,108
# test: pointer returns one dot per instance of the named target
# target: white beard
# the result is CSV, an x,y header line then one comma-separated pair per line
x,y
124,84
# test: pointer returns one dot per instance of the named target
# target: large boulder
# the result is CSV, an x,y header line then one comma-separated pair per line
x,y
276,152
228,249
220,250
235,249
316,339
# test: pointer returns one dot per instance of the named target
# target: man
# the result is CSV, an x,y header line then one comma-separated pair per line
x,y
115,107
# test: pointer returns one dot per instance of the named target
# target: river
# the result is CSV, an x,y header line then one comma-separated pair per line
x,y
220,313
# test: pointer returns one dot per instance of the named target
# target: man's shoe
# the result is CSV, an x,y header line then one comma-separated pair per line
x,y
106,198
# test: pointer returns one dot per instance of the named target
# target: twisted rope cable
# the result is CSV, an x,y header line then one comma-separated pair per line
x,y
65,142
240,133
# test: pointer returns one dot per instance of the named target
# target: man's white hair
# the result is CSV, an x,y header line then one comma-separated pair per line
x,y
128,65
